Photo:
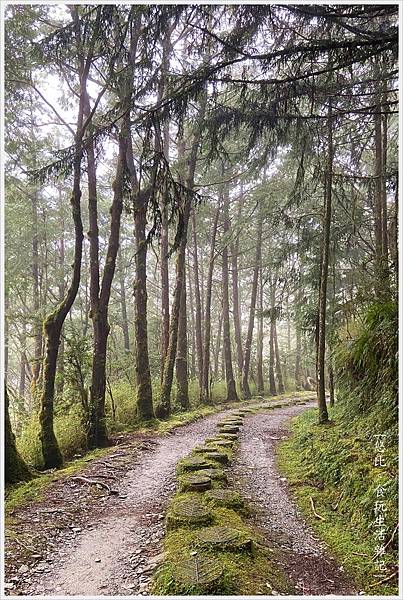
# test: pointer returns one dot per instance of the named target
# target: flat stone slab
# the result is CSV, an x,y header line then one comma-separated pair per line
x,y
227,498
226,538
189,512
214,474
196,482
198,571
227,436
193,463
229,428
220,457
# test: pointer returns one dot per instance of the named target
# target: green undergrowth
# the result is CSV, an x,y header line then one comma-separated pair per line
x,y
333,467
19,494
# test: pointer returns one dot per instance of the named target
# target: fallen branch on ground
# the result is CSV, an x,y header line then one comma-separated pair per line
x,y
384,580
314,511
93,482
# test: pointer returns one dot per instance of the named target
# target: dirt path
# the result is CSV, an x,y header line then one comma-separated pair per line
x,y
103,544
303,556
81,540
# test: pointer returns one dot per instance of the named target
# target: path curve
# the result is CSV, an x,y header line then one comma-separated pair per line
x,y
115,551
114,542
305,559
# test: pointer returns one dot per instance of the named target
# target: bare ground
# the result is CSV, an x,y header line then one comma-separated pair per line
x,y
82,540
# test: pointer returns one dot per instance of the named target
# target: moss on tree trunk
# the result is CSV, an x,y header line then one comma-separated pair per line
x,y
15,468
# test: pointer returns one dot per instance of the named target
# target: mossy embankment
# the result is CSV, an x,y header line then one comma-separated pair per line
x,y
333,467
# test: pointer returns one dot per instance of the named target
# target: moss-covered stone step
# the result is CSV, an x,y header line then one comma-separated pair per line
x,y
188,512
225,444
226,538
196,482
200,572
193,463
217,456
226,498
215,474
202,449
229,428
237,422
227,436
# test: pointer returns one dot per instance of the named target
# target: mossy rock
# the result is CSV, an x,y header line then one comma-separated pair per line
x,y
202,449
199,571
220,457
226,498
193,463
196,482
227,436
237,422
188,512
229,428
223,444
214,474
225,538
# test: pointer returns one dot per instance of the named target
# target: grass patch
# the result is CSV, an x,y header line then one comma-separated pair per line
x,y
334,465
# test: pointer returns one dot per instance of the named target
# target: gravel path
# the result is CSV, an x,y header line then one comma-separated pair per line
x,y
304,557
80,540
111,549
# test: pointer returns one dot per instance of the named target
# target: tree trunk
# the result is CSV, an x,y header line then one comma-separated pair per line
x,y
248,345
97,435
182,394
15,468
218,345
205,393
192,322
163,408
164,247
259,341
232,395
279,372
272,380
331,383
143,375
235,293
54,322
382,283
327,217
23,349
36,304
199,335
123,305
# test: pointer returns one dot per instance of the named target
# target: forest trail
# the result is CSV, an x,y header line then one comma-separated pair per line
x,y
309,567
113,543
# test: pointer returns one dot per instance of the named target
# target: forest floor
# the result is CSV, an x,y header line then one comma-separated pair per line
x,y
78,539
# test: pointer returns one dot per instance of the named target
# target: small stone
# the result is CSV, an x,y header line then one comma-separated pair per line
x,y
9,586
23,569
97,560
